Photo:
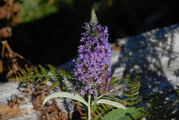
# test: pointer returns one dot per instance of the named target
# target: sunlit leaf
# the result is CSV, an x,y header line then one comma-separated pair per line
x,y
110,102
66,95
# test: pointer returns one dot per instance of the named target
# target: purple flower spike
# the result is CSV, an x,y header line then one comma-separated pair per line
x,y
93,63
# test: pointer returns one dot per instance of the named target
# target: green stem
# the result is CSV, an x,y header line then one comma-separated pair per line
x,y
89,107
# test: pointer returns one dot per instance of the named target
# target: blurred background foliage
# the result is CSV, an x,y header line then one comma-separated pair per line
x,y
48,31
31,10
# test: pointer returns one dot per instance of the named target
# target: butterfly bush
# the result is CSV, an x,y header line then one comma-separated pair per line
x,y
92,67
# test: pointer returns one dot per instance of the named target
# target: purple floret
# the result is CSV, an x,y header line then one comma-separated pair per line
x,y
92,67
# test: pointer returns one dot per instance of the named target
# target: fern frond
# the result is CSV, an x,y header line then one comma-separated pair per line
x,y
42,75
101,110
131,93
132,97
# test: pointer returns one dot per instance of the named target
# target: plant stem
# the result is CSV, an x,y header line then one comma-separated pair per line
x,y
89,107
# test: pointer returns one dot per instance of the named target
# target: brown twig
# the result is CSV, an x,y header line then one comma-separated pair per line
x,y
13,67
6,46
15,101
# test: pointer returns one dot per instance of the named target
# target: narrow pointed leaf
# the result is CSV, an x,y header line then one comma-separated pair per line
x,y
66,95
110,102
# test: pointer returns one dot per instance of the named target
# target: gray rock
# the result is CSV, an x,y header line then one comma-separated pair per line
x,y
7,90
28,107
153,55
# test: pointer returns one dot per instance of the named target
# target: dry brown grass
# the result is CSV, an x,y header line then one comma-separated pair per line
x,y
8,112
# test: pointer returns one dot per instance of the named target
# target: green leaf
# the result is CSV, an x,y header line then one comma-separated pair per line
x,y
43,70
110,102
31,10
121,114
66,95
114,115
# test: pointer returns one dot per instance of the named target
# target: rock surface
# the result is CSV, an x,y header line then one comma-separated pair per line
x,y
23,112
153,55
